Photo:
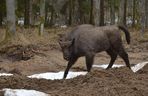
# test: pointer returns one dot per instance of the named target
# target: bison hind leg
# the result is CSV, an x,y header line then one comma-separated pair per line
x,y
124,56
113,56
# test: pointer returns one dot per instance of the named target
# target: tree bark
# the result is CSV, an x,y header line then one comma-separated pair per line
x,y
134,13
146,13
81,12
112,11
101,12
91,13
1,18
42,16
10,6
70,12
26,13
96,12
122,12
52,15
31,13
143,17
46,14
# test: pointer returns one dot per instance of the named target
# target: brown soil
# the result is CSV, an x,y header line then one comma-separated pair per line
x,y
32,58
114,82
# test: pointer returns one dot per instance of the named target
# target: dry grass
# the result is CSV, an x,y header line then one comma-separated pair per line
x,y
137,36
30,36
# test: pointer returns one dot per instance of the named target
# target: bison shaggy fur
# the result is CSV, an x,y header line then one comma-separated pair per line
x,y
87,40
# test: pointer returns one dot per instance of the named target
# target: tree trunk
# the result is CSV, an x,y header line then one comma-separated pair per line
x,y
1,18
81,13
52,15
26,13
143,17
134,13
46,14
146,13
70,12
101,12
125,12
96,12
32,21
91,13
75,12
122,12
112,11
10,6
42,16
10,24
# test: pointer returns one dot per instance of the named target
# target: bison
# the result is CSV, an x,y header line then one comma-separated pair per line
x,y
87,40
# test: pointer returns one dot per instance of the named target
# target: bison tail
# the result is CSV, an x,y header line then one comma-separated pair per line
x,y
127,34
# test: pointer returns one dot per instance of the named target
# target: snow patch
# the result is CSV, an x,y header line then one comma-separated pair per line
x,y
58,75
5,74
104,66
23,92
138,66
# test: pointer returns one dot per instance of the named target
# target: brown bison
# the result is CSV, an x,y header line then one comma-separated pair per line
x,y
87,40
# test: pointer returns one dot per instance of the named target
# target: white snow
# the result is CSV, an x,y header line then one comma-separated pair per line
x,y
138,66
63,26
58,75
22,92
104,66
5,74
134,68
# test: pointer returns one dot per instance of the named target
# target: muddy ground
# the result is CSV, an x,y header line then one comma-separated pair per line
x,y
46,57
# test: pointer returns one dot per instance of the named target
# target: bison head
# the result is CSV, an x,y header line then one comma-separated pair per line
x,y
67,48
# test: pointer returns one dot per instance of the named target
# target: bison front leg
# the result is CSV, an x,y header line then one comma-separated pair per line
x,y
89,62
70,63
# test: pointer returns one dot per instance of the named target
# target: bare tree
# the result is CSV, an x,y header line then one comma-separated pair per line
x,y
91,21
112,11
31,13
134,13
26,13
101,13
42,16
143,17
70,12
122,12
96,12
146,13
11,28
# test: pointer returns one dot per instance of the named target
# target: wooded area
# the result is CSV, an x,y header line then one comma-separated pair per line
x,y
72,12
56,13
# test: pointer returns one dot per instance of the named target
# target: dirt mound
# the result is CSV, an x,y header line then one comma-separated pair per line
x,y
114,82
143,70
19,52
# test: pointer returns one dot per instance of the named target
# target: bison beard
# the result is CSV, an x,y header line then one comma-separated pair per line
x,y
87,40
